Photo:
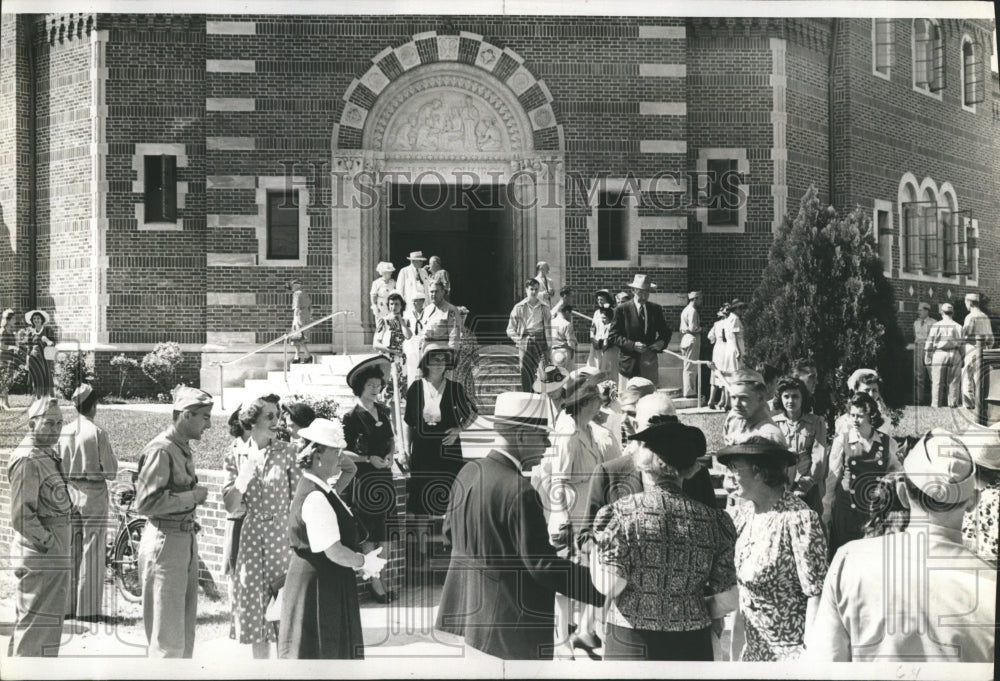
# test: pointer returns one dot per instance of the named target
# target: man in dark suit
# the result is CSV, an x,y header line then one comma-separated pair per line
x,y
500,589
641,332
619,477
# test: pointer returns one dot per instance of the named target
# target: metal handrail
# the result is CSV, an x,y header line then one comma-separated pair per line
x,y
284,340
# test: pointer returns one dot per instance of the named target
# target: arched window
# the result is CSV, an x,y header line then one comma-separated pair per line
x,y
928,56
973,74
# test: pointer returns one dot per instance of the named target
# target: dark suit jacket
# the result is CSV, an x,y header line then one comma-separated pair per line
x,y
626,330
501,584
619,478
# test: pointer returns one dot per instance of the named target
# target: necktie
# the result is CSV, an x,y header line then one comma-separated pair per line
x,y
642,317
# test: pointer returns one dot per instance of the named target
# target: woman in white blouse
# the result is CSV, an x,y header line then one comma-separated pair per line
x,y
320,615
437,411
381,288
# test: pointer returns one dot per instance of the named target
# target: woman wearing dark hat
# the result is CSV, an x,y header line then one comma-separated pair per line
x,y
437,411
665,559
37,339
780,553
320,614
603,356
8,355
717,399
371,443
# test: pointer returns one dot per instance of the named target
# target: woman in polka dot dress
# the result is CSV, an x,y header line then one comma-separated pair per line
x,y
260,478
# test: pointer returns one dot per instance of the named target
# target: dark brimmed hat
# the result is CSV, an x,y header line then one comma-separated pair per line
x,y
673,440
377,362
762,448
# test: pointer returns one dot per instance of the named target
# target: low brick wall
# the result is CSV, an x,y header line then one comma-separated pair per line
x,y
212,517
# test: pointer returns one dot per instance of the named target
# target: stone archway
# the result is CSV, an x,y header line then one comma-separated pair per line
x,y
455,108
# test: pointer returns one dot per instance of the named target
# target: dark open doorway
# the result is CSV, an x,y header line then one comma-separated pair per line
x,y
470,230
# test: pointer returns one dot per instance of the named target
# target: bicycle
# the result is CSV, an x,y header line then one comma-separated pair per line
x,y
122,553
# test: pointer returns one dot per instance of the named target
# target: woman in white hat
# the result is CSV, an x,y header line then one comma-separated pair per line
x,y
260,477
979,525
37,338
320,614
381,288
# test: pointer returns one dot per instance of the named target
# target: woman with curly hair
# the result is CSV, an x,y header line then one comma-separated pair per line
x,y
805,433
260,477
371,444
858,459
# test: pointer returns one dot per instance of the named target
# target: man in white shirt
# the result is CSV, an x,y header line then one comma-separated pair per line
x,y
921,328
942,354
413,277
976,328
530,327
917,595
411,346
691,344
439,319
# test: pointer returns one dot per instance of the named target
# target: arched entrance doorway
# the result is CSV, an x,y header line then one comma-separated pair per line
x,y
447,164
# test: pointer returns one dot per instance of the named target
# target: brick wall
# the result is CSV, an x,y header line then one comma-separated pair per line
x,y
14,109
252,97
64,240
894,129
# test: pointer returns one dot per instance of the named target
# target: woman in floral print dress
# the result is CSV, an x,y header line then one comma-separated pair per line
x,y
979,526
260,478
780,554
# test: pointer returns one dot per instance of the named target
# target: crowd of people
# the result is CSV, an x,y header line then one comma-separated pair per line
x,y
592,524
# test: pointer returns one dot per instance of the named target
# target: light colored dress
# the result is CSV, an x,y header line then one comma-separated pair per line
x,y
735,352
717,337
780,564
263,551
979,526
605,359
380,291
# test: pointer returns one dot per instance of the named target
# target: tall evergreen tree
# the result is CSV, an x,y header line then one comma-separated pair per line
x,y
824,296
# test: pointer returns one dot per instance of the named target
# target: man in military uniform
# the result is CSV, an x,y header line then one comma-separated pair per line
x,y
941,354
921,328
976,328
40,516
691,344
88,463
167,493
917,595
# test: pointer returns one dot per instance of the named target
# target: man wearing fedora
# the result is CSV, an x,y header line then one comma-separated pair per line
x,y
917,595
499,593
413,277
167,493
942,355
691,344
40,511
88,463
530,327
976,328
641,332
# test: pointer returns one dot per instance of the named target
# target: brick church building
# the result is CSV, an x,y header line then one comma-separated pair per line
x,y
166,175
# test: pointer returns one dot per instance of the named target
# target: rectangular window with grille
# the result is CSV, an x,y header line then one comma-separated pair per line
x,y
958,231
612,211
883,45
160,184
723,191
883,229
919,220
282,225
928,56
